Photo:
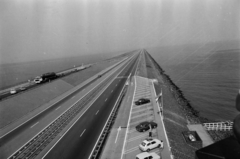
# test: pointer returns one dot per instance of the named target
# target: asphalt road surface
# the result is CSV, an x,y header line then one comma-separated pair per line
x,y
82,137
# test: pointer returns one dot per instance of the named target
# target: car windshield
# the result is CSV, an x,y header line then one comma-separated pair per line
x,y
143,143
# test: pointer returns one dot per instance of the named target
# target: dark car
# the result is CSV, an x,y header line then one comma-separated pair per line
x,y
144,126
142,101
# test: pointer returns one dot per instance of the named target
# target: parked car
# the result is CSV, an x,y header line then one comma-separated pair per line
x,y
150,144
142,101
13,91
191,137
144,126
146,155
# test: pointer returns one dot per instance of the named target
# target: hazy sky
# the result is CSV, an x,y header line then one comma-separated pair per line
x,y
43,29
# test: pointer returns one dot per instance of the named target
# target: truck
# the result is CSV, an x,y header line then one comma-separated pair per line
x,y
49,76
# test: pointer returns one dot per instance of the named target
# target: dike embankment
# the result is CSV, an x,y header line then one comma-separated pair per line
x,y
177,112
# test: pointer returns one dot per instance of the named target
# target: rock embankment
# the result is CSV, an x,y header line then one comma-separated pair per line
x,y
192,115
177,112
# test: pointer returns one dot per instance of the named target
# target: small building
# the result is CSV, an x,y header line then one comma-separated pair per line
x,y
228,148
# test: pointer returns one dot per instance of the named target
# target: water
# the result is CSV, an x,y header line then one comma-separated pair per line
x,y
208,74
12,74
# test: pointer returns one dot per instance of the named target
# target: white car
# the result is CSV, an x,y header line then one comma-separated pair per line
x,y
146,155
37,80
13,91
149,144
191,137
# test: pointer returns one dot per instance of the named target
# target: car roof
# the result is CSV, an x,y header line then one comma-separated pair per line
x,y
150,140
143,154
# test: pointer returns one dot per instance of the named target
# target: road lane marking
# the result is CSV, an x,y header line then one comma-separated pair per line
x,y
111,91
34,124
119,129
86,110
83,132
97,112
126,133
105,123
131,150
137,137
105,99
164,129
57,108
72,97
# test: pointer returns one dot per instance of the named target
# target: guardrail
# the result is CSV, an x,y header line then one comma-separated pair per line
x,y
5,94
98,148
35,145
222,126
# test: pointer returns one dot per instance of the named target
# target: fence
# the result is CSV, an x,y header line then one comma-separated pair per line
x,y
222,126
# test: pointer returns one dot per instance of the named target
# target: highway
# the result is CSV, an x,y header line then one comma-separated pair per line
x,y
82,137
105,102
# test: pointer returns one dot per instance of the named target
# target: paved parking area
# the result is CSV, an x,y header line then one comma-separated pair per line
x,y
138,114
124,144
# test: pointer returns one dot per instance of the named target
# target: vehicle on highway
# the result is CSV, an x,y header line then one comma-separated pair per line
x,y
144,126
13,91
49,76
38,80
150,144
22,88
142,101
146,155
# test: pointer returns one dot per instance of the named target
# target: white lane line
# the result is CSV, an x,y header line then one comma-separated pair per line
x,y
57,108
82,114
119,129
97,112
83,132
124,142
105,99
72,97
34,124
137,137
164,129
105,123
111,91
63,113
131,150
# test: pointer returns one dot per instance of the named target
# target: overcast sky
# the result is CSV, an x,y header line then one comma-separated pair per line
x,y
43,29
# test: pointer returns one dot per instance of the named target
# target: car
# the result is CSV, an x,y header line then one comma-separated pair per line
x,y
37,80
22,88
191,137
146,155
13,91
150,144
144,126
142,101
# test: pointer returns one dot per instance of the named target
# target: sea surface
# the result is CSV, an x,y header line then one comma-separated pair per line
x,y
15,73
208,74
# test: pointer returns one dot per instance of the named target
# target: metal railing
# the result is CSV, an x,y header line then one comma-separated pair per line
x,y
221,126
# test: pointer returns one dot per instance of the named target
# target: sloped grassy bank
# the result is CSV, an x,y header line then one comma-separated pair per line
x,y
178,112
